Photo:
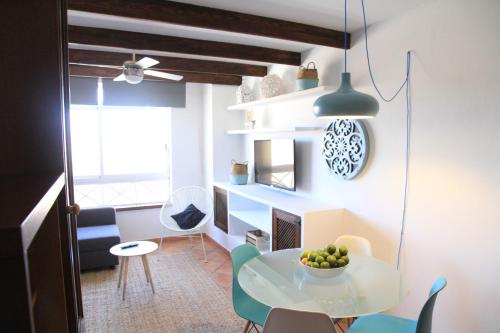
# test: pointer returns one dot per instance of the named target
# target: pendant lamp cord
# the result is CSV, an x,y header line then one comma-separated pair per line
x,y
406,85
345,36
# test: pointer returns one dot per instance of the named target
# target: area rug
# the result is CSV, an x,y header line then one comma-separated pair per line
x,y
187,299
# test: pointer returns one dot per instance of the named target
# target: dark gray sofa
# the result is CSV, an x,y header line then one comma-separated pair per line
x,y
97,232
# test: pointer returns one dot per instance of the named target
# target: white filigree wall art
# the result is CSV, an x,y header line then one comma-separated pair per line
x,y
346,147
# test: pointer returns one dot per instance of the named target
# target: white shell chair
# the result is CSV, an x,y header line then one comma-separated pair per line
x,y
177,202
356,245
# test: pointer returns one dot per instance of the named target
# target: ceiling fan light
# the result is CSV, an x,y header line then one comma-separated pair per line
x,y
133,79
134,74
346,103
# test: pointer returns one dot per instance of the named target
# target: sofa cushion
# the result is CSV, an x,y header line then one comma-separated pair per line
x,y
98,238
91,217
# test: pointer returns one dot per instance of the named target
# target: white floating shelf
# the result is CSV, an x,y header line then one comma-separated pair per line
x,y
308,93
256,218
301,130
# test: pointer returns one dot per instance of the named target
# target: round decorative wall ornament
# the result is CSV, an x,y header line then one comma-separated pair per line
x,y
345,147
270,85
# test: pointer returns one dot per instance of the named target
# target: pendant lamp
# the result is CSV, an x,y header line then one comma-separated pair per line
x,y
346,102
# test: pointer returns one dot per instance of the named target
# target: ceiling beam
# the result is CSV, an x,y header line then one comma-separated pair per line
x,y
86,57
212,18
151,42
105,72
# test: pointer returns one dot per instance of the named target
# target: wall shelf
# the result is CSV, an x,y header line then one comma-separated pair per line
x,y
297,130
308,93
257,218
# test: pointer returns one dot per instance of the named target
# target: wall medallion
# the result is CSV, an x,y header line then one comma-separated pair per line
x,y
346,147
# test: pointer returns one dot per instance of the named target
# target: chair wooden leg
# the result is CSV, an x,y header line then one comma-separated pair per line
x,y
247,326
254,326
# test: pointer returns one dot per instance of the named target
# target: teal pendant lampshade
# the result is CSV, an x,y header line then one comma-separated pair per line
x,y
346,103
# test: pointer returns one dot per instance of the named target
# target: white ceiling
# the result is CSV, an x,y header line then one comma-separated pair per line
x,y
322,13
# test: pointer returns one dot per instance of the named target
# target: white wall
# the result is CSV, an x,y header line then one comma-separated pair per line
x,y
187,161
453,225
220,148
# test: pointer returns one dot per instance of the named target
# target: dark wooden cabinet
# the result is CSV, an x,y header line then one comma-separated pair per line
x,y
286,230
220,208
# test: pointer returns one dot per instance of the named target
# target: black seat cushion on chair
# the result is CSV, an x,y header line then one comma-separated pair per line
x,y
189,217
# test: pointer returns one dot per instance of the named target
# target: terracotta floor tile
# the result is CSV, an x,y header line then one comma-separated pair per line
x,y
214,262
219,260
221,253
222,279
226,268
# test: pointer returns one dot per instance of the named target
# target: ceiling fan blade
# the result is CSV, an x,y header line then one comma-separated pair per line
x,y
120,77
96,65
163,75
147,62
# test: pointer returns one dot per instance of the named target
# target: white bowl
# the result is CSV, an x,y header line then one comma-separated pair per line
x,y
323,272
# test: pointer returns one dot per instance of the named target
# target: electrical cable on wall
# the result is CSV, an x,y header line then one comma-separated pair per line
x,y
406,85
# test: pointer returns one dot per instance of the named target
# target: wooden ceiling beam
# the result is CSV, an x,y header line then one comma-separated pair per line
x,y
85,57
105,72
151,42
212,18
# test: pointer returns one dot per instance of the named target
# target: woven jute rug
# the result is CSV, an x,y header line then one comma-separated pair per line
x,y
187,299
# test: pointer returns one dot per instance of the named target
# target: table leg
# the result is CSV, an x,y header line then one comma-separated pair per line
x,y
122,261
149,272
125,277
143,258
335,323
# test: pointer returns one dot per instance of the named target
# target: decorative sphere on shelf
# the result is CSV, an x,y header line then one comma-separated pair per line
x,y
270,86
244,93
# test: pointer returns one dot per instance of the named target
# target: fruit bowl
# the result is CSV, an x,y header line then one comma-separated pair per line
x,y
325,263
322,272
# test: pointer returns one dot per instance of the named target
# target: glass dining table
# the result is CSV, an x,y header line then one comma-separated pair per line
x,y
367,285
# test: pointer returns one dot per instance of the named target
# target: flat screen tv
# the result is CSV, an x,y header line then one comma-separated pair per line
x,y
275,163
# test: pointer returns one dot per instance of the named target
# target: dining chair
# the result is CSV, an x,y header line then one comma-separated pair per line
x,y
291,321
245,306
356,245
177,202
392,324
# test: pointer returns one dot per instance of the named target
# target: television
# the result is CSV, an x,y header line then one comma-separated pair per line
x,y
275,163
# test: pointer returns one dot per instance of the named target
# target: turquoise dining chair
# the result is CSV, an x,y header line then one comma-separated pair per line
x,y
391,324
245,306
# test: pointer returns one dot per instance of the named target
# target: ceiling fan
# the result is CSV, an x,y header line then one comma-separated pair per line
x,y
134,71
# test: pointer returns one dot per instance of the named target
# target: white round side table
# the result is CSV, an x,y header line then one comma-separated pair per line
x,y
133,249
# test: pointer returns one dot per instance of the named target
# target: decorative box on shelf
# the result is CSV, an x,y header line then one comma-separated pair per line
x,y
258,238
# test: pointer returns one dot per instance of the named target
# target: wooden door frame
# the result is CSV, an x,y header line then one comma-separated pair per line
x,y
73,272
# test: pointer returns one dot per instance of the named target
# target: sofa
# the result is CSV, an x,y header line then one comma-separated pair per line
x,y
97,232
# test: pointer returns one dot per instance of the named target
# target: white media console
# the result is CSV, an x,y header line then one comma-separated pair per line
x,y
289,219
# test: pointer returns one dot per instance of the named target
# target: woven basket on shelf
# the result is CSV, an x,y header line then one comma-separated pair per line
x,y
239,173
307,77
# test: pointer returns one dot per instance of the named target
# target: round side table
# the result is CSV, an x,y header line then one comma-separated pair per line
x,y
133,249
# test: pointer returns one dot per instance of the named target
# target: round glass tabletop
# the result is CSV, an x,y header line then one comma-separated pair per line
x,y
366,286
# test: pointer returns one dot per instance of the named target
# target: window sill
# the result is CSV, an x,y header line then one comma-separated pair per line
x,y
138,207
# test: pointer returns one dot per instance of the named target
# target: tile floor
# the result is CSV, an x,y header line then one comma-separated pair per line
x,y
219,260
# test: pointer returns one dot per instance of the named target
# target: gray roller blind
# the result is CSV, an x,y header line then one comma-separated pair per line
x,y
83,90
146,93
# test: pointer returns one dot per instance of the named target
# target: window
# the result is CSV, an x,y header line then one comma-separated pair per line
x,y
120,155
